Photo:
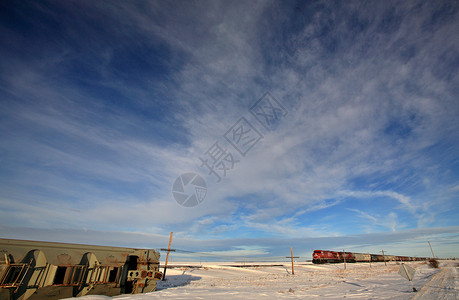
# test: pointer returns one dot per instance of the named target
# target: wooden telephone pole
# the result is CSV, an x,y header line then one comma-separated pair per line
x,y
433,256
167,257
292,257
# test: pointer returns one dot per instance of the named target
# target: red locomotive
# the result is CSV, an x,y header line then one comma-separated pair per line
x,y
326,256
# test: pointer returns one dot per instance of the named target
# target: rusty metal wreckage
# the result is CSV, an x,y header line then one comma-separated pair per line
x,y
48,270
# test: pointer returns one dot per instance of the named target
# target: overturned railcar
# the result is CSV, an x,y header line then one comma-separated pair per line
x,y
46,270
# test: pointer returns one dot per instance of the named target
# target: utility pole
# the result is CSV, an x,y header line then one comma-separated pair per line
x,y
433,256
344,258
291,254
369,256
384,258
292,257
167,257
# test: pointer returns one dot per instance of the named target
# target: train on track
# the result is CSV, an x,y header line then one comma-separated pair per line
x,y
327,256
47,270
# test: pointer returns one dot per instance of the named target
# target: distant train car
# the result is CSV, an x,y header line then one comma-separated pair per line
x,y
377,257
362,257
45,270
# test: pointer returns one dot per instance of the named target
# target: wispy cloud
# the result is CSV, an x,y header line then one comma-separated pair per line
x,y
389,220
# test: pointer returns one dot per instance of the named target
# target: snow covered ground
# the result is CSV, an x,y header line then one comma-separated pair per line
x,y
358,281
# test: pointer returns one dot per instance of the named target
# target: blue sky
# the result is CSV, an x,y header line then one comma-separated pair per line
x,y
104,104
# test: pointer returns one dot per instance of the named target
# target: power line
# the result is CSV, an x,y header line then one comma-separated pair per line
x,y
208,254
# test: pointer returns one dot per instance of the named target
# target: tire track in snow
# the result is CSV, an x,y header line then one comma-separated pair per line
x,y
443,285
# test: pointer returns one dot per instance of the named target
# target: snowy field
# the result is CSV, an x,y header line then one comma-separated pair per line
x,y
358,281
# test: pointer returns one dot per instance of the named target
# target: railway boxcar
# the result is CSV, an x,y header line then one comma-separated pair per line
x,y
362,257
390,258
377,257
46,270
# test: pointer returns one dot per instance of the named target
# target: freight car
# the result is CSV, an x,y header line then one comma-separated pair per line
x,y
327,256
46,270
376,257
362,257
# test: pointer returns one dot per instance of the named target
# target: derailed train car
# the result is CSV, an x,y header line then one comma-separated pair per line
x,y
46,270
